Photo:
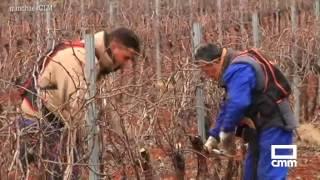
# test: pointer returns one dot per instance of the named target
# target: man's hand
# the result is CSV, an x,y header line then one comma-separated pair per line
x,y
210,144
227,140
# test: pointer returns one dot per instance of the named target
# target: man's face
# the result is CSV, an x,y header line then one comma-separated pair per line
x,y
211,69
121,55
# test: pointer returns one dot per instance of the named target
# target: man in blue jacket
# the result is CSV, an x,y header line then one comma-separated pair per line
x,y
255,89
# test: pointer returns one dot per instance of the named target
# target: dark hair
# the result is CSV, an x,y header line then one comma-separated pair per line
x,y
126,36
207,52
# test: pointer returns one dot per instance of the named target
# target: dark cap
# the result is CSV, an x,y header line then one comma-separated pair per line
x,y
127,37
207,52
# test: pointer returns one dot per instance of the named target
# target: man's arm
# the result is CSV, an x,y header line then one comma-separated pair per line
x,y
240,82
214,132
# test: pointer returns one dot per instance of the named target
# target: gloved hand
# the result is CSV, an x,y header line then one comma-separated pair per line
x,y
227,141
210,144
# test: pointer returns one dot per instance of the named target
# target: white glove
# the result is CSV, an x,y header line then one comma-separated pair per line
x,y
227,140
210,144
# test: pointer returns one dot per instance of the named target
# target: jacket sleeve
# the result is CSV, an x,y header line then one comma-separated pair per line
x,y
214,132
240,80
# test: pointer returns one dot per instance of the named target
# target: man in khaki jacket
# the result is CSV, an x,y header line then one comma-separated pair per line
x,y
59,80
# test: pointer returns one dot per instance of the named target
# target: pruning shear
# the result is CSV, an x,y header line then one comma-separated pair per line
x,y
222,153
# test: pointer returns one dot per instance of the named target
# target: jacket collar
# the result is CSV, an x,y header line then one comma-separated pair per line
x,y
103,54
231,54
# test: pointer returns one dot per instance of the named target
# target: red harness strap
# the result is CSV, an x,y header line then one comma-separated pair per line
x,y
46,58
74,44
245,53
265,65
271,68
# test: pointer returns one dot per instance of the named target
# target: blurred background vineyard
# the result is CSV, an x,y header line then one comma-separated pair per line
x,y
153,104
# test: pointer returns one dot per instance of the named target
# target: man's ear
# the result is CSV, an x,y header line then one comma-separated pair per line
x,y
222,59
223,55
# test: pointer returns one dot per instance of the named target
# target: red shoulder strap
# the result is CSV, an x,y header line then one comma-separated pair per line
x,y
262,59
45,60
266,82
74,44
